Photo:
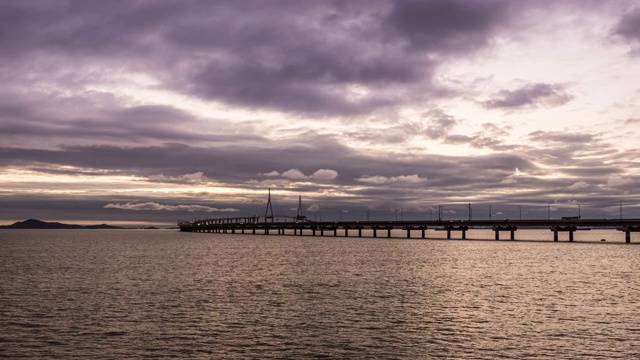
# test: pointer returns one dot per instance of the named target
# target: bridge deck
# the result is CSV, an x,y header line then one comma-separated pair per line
x,y
254,225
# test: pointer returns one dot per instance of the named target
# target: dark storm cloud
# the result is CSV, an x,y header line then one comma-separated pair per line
x,y
302,62
592,170
114,125
89,28
529,95
282,55
237,165
445,25
629,26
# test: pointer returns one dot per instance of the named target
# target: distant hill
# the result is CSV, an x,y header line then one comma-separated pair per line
x,y
102,226
38,224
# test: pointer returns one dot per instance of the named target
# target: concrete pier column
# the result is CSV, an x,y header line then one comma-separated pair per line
x,y
408,233
346,232
423,233
375,232
233,230
555,235
313,231
513,234
321,231
570,235
464,234
359,232
627,236
497,234
388,232
448,234
335,231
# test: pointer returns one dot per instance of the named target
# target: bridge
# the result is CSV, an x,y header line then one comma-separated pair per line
x,y
259,225
299,225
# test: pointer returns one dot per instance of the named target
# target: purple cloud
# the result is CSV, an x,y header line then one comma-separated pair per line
x,y
529,95
629,26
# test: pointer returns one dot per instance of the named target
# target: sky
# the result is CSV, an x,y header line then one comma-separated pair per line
x,y
150,112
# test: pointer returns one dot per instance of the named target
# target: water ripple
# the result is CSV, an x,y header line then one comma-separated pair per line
x,y
132,294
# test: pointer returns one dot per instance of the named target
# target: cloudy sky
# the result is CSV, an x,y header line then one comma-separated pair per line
x,y
148,112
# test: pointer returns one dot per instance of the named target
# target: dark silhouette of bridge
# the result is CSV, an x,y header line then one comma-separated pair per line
x,y
254,225
299,225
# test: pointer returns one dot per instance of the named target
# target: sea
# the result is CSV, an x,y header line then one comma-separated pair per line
x,y
161,294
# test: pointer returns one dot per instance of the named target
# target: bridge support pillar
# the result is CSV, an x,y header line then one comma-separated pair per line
x,y
359,232
627,232
335,231
408,233
570,229
375,232
463,229
388,232
511,229
346,232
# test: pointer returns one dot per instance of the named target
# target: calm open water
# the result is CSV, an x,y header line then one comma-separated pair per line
x,y
107,294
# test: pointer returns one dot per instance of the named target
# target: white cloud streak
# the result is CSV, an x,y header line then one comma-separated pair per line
x,y
153,206
197,177
295,174
402,179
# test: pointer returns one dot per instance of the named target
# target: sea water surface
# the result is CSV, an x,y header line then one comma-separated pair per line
x,y
111,294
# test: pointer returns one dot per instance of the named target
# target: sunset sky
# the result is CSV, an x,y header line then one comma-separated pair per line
x,y
150,112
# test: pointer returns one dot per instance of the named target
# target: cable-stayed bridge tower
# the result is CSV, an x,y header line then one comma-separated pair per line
x,y
268,213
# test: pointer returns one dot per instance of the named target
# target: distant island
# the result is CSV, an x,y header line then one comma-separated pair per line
x,y
38,224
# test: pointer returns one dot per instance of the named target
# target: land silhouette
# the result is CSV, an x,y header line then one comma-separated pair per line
x,y
39,224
